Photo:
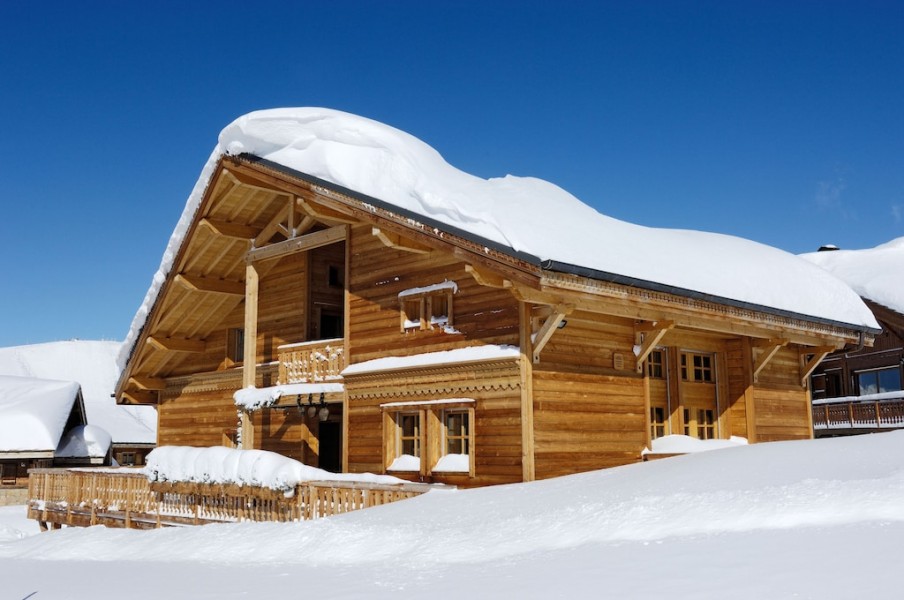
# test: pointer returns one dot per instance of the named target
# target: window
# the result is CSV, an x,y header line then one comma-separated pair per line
x,y
437,438
235,345
700,423
655,367
878,381
657,421
428,307
126,458
697,367
335,276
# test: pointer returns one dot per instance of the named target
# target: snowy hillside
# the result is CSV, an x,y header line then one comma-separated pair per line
x,y
874,273
93,365
813,519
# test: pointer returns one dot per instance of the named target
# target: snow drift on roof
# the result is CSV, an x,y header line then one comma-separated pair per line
x,y
84,440
93,365
874,273
523,213
33,412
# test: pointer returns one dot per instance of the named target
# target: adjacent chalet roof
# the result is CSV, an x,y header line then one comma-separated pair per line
x,y
874,273
93,365
522,217
34,413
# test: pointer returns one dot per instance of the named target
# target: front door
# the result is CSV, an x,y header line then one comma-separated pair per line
x,y
331,446
683,398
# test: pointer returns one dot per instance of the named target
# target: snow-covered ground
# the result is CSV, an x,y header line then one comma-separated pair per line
x,y
815,519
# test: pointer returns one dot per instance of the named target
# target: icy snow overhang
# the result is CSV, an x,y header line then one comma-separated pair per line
x,y
874,273
252,398
84,441
390,169
34,412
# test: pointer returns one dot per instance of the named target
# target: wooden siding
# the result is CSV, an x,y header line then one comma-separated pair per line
x,y
584,422
482,315
782,414
496,431
197,418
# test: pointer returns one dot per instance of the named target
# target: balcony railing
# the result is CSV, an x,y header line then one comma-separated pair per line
x,y
847,413
311,362
125,498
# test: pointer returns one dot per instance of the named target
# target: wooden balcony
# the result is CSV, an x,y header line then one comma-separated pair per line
x,y
125,498
311,362
849,416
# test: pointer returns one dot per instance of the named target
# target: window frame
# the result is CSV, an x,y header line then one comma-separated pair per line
x,y
433,435
417,307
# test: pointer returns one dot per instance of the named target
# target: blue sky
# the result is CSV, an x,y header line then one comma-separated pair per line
x,y
782,122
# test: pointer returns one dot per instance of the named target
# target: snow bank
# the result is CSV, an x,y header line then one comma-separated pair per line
x,y
459,355
34,412
252,398
684,444
84,440
396,168
258,468
874,273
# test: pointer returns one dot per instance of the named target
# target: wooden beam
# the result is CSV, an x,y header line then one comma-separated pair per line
x,y
249,367
652,333
148,383
302,243
273,227
810,365
176,344
248,181
548,328
487,278
228,229
210,285
139,397
397,242
322,213
528,465
769,349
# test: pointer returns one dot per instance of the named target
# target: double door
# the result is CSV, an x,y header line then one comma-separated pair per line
x,y
683,393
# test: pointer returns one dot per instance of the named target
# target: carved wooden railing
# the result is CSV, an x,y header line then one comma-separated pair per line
x,y
125,498
851,414
311,362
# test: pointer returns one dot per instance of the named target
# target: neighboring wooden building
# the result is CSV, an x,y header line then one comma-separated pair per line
x,y
41,423
381,340
860,390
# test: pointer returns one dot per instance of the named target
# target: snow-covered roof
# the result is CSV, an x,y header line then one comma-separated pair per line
x,y
84,440
523,214
34,412
874,273
93,365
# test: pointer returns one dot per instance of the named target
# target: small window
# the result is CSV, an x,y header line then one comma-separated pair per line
x,y
655,366
657,421
700,423
697,367
457,429
427,308
335,276
407,442
126,459
235,345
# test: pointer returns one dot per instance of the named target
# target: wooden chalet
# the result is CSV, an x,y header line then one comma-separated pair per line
x,y
383,341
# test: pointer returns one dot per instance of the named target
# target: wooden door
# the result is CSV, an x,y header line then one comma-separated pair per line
x,y
699,405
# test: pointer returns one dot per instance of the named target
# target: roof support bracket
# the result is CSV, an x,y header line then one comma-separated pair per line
x,y
487,278
649,334
817,355
553,322
397,242
767,351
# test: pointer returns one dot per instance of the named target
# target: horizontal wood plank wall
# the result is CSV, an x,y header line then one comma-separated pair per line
x,y
782,414
584,422
287,432
481,315
590,342
738,375
196,418
496,432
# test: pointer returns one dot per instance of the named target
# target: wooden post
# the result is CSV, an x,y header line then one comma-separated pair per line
x,y
249,373
528,468
749,398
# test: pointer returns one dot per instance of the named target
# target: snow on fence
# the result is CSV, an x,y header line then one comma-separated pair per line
x,y
125,498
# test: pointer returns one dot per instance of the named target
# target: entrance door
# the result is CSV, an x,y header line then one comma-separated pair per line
x,y
331,446
682,388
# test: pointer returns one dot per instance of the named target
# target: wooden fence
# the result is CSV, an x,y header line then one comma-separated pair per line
x,y
311,362
861,416
125,498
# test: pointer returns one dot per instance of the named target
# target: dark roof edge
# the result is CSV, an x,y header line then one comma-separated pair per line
x,y
561,267
551,265
387,206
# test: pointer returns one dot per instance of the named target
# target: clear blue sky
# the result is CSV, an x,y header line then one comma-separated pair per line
x,y
782,122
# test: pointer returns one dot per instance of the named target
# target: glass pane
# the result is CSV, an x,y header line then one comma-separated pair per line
x,y
868,383
889,380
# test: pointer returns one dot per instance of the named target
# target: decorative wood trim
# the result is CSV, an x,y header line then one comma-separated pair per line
x,y
210,285
176,344
301,243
